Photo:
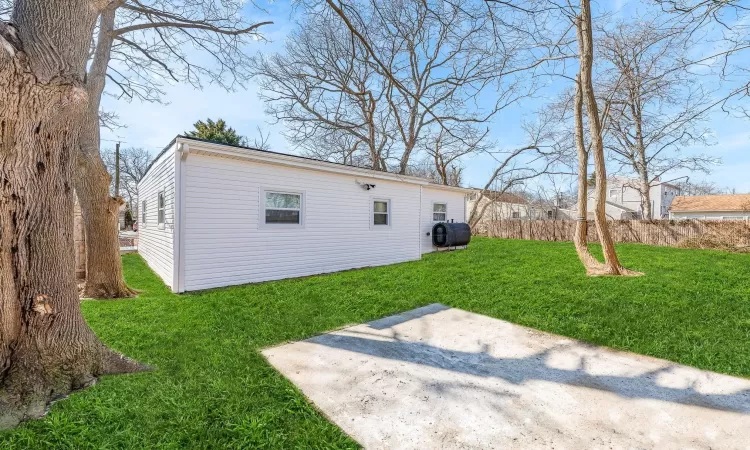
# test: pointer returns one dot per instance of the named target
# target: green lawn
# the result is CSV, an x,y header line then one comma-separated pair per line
x,y
213,389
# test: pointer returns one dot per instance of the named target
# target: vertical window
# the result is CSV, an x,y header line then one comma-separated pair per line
x,y
143,212
160,208
550,215
381,211
282,207
439,212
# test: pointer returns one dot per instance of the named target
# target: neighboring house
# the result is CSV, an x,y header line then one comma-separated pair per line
x,y
513,206
624,200
504,206
215,215
711,207
121,216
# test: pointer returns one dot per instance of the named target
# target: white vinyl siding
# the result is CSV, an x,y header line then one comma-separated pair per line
x,y
155,240
455,205
226,241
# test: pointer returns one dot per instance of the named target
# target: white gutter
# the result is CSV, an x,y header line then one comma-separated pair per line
x,y
443,187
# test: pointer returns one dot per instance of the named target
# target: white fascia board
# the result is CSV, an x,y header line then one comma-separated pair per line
x,y
442,187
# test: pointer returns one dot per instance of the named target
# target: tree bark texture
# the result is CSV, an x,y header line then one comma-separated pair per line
x,y
586,55
46,348
104,277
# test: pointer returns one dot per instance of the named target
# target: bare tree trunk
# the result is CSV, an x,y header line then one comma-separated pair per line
x,y
104,278
586,48
580,238
645,188
403,165
641,164
46,348
100,211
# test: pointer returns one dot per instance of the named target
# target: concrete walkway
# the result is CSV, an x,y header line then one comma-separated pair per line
x,y
442,378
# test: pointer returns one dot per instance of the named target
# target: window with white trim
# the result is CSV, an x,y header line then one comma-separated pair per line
x,y
282,208
143,212
613,193
439,212
381,212
160,208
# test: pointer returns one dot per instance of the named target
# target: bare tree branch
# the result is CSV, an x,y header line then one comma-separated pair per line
x,y
658,108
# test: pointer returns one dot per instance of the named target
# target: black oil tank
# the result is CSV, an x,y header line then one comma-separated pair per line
x,y
445,234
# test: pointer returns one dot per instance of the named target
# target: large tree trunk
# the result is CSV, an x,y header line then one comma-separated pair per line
x,y
46,348
104,278
580,238
586,49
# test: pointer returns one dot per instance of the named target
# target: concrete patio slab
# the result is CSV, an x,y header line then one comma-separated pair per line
x,y
443,378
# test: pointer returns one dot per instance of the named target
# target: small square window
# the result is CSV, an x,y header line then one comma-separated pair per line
x,y
439,212
160,208
613,193
515,215
282,208
381,212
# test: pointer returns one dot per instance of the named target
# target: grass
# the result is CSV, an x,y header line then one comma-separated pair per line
x,y
213,389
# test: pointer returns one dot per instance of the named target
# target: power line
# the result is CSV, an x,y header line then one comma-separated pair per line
x,y
131,143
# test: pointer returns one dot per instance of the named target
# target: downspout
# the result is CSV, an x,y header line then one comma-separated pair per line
x,y
178,245
421,218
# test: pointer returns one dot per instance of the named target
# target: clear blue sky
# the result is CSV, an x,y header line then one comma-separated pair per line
x,y
152,126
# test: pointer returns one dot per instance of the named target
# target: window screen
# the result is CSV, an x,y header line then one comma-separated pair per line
x,y
381,212
439,212
160,208
283,207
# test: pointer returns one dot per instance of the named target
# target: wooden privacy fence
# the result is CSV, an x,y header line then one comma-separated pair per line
x,y
725,234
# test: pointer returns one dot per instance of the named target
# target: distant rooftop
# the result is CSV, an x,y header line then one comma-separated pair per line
x,y
733,202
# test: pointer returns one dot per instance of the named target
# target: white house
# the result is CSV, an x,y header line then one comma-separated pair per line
x,y
505,205
624,200
711,207
215,215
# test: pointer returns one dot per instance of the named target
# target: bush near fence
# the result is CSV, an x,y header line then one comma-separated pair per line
x,y
733,235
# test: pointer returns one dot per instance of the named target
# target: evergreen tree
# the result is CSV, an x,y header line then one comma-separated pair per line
x,y
217,132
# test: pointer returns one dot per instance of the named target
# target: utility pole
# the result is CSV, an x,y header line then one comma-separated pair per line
x,y
117,169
